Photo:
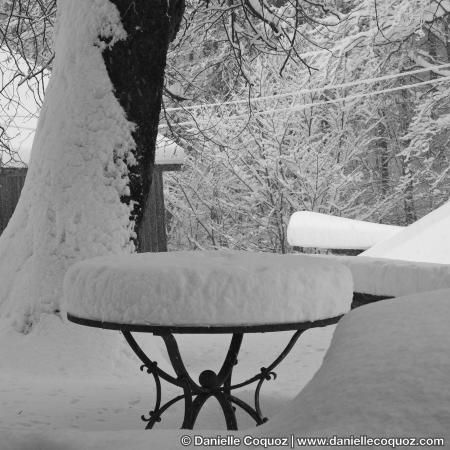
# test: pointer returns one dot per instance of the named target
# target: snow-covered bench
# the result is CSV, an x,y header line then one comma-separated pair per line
x,y
426,240
399,260
311,229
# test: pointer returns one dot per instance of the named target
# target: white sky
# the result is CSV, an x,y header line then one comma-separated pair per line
x,y
23,106
24,139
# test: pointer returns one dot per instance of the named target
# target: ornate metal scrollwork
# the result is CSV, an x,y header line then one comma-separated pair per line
x,y
155,414
210,384
265,375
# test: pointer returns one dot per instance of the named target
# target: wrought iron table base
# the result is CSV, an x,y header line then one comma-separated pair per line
x,y
210,384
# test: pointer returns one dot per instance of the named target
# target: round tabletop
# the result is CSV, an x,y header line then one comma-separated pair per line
x,y
203,289
203,329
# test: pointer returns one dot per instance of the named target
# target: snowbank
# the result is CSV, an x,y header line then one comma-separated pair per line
x,y
385,374
311,229
426,240
207,288
388,277
70,207
79,440
56,348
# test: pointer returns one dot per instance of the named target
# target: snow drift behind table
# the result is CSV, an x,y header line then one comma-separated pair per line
x,y
427,240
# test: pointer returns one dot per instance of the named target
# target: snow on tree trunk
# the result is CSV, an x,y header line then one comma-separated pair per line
x,y
136,69
76,202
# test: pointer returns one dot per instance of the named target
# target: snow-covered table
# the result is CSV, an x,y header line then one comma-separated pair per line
x,y
207,292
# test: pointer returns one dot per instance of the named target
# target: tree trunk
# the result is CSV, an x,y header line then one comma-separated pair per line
x,y
91,163
136,68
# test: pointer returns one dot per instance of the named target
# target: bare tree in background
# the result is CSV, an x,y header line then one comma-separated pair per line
x,y
224,37
26,55
396,181
248,27
128,57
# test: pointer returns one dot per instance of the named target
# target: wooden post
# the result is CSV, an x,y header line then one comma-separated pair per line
x,y
11,183
154,238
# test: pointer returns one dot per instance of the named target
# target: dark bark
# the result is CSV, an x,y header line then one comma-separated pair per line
x,y
136,68
409,207
382,153
408,204
384,161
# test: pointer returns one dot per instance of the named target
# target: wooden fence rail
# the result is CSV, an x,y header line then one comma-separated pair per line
x,y
155,239
11,183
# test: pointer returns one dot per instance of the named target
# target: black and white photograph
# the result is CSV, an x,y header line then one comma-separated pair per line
x,y
224,224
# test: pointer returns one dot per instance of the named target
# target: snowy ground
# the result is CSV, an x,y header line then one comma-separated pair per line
x,y
48,383
385,375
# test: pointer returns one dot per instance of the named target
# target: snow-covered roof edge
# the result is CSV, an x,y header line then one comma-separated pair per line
x,y
168,152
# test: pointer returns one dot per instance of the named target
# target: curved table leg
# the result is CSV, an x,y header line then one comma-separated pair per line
x,y
226,371
197,405
210,383
228,410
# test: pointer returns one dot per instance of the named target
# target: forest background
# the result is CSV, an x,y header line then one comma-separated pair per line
x,y
356,125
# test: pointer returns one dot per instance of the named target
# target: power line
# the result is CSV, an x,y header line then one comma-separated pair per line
x,y
352,97
310,90
326,102
308,105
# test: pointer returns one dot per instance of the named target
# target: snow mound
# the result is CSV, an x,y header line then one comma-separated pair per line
x,y
207,288
426,240
380,276
57,349
311,229
385,374
104,440
70,207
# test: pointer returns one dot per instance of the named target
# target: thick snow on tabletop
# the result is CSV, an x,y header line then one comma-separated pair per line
x,y
207,288
380,276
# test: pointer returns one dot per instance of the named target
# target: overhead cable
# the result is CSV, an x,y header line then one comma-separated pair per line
x,y
325,102
309,90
